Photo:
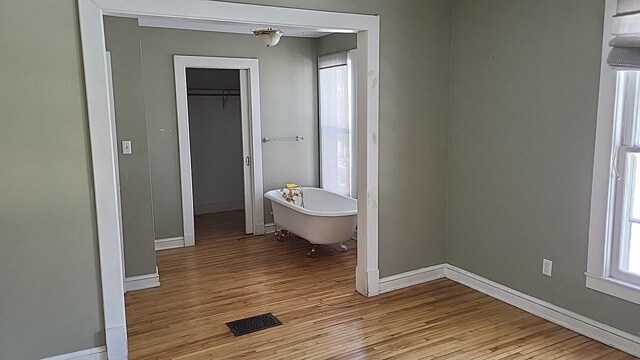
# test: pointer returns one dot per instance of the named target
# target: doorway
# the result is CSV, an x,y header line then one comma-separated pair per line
x,y
246,99
104,174
217,160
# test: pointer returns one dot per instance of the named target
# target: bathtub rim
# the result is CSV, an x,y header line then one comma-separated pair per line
x,y
273,195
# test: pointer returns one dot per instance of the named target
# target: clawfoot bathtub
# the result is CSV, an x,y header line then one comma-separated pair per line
x,y
319,216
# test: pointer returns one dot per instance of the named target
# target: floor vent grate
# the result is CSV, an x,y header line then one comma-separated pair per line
x,y
253,324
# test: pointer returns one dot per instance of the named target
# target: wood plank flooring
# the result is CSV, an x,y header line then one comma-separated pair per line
x,y
225,279
220,226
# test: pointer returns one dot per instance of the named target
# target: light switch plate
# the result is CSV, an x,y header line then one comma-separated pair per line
x,y
126,147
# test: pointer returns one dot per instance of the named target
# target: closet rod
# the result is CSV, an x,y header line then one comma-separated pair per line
x,y
225,94
213,92
189,94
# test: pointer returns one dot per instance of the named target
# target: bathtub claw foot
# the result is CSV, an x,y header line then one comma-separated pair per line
x,y
343,247
281,234
313,251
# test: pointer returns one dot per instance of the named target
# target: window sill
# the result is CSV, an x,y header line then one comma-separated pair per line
x,y
614,287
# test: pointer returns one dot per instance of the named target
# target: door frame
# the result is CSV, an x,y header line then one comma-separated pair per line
x,y
91,14
251,137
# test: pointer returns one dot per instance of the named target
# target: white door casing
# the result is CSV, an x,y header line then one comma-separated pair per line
x,y
251,135
250,195
91,14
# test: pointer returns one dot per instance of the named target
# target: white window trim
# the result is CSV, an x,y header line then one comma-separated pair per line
x,y
353,68
598,263
614,287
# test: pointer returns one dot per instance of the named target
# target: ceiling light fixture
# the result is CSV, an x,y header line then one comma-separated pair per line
x,y
270,37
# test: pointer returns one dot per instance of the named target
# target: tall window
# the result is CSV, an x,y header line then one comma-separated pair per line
x,y
625,259
613,262
337,123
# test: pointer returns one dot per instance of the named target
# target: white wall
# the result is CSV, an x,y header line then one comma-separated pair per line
x,y
216,145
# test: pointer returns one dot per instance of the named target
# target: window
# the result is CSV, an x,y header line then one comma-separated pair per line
x,y
625,251
613,265
337,123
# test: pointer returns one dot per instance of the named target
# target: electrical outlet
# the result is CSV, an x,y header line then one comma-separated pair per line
x,y
547,266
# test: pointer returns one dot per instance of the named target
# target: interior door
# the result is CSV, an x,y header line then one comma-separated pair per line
x,y
245,102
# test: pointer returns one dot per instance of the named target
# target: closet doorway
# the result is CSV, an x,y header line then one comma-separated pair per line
x,y
219,141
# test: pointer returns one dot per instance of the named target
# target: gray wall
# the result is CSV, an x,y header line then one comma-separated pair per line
x,y
288,108
123,41
337,42
217,163
50,302
523,111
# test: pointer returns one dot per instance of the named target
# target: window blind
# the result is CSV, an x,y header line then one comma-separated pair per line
x,y
626,7
625,46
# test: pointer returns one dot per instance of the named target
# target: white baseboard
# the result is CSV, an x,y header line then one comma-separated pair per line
x,y
116,337
269,228
411,278
555,314
373,287
142,282
218,207
97,353
169,243
581,324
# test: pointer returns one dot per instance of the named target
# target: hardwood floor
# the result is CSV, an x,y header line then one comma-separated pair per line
x,y
221,280
220,226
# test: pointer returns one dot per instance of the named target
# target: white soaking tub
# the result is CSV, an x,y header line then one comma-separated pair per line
x,y
326,218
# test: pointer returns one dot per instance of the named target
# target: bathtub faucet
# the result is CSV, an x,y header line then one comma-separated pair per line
x,y
292,192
